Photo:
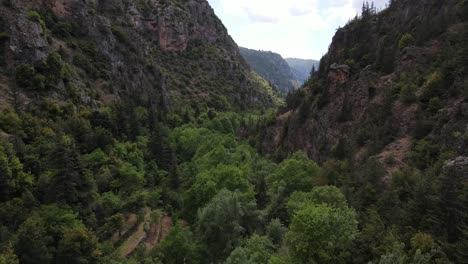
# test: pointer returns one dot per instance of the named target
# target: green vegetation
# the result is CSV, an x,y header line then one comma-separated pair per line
x,y
179,246
236,205
405,41
434,86
272,67
36,17
137,180
406,91
322,234
44,75
410,215
120,34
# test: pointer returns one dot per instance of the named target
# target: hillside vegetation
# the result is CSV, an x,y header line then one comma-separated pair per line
x,y
273,68
386,116
134,132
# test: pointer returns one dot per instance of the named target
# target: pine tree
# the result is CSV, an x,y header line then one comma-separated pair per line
x,y
69,183
448,213
462,245
32,242
312,72
159,146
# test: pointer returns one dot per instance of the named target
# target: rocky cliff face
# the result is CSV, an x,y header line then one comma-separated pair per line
x,y
167,53
390,83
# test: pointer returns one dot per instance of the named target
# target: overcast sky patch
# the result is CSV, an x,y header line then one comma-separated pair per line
x,y
293,28
260,18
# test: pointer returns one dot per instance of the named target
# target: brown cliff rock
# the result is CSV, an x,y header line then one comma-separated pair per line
x,y
369,98
166,52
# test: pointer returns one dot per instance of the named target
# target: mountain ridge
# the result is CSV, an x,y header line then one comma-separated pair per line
x,y
346,69
272,67
302,67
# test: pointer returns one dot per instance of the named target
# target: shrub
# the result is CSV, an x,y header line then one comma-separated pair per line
x,y
434,86
9,121
351,63
55,65
44,74
25,76
91,60
424,154
422,128
423,242
434,105
405,41
66,72
120,34
408,93
363,135
64,29
34,16
39,82
85,63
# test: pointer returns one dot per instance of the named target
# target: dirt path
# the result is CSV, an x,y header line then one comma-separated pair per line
x,y
166,224
150,236
130,222
137,237
158,232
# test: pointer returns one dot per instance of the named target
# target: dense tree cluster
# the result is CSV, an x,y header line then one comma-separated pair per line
x,y
68,183
76,181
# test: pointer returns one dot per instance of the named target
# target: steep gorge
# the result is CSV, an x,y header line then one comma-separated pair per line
x,y
128,133
389,80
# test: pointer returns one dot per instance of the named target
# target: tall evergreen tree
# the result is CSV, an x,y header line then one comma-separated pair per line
x,y
32,242
70,183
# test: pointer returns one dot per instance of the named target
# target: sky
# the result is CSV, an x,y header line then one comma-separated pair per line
x,y
292,28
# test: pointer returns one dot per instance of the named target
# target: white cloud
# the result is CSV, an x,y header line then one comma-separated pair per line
x,y
261,18
302,7
296,28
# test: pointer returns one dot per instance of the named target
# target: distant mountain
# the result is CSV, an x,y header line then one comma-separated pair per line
x,y
301,68
272,67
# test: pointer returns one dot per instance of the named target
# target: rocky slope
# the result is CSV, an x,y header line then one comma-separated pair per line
x,y
392,84
301,68
175,55
272,67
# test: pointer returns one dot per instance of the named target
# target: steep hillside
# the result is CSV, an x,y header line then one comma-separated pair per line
x,y
301,68
272,67
385,79
386,116
90,94
175,55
